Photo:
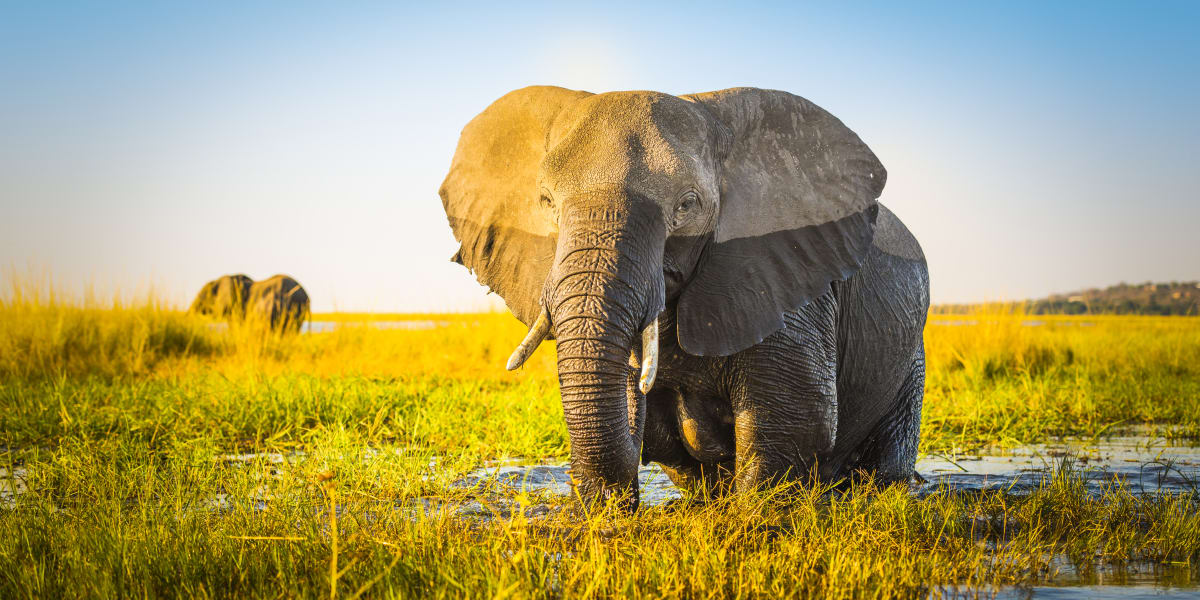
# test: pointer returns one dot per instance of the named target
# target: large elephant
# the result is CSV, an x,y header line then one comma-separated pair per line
x,y
279,303
731,245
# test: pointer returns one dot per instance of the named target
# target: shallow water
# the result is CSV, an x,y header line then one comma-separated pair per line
x,y
12,484
1144,464
944,322
1075,592
327,326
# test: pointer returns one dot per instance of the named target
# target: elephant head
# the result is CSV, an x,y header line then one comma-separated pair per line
x,y
223,297
589,213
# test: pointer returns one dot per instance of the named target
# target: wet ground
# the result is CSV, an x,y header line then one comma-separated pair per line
x,y
1143,464
327,326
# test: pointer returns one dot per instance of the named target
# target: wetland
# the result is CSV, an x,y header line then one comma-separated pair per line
x,y
143,452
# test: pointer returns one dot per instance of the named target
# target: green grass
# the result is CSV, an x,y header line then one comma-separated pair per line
x,y
121,417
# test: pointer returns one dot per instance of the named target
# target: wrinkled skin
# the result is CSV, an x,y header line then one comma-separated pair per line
x,y
279,303
789,303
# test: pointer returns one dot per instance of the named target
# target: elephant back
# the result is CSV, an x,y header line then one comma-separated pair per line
x,y
223,297
279,302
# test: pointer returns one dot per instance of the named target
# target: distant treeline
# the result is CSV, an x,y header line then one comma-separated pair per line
x,y
1174,298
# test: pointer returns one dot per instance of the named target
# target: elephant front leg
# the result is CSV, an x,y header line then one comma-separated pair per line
x,y
785,401
666,445
782,439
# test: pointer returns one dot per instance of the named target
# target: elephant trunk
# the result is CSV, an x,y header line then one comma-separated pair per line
x,y
603,296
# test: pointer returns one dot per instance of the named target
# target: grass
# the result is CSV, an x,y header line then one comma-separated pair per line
x,y
130,425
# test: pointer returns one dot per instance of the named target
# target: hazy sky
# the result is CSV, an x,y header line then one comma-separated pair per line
x,y
1031,147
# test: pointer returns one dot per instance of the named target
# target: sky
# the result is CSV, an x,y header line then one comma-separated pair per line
x,y
1031,147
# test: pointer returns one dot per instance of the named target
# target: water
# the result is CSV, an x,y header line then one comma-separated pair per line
x,y
12,485
328,326
1144,464
1078,592
945,322
654,486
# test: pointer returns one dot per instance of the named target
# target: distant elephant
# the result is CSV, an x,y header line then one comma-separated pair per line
x,y
223,297
731,244
279,302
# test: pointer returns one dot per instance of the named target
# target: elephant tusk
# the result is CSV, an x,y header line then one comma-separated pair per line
x,y
537,334
649,356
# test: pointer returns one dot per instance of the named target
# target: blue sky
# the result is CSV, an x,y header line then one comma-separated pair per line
x,y
1031,147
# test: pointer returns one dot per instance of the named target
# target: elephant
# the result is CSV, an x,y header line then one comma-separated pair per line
x,y
223,297
728,297
278,303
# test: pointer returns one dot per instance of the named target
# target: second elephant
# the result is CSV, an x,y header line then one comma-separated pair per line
x,y
279,302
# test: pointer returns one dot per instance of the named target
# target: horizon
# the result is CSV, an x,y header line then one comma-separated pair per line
x,y
1033,150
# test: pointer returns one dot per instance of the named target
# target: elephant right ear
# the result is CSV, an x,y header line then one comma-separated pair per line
x,y
203,302
492,199
797,212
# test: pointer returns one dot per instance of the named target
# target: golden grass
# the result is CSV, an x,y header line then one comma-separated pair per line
x,y
119,415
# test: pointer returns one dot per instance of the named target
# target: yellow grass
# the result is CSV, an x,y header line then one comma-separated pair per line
x,y
120,414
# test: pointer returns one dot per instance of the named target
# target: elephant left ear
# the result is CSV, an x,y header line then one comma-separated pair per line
x,y
797,212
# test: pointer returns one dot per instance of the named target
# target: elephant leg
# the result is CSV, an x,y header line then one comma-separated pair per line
x,y
780,440
785,399
664,445
890,451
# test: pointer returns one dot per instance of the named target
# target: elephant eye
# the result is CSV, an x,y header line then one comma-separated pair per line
x,y
686,204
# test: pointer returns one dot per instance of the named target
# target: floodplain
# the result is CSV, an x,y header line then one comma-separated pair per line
x,y
146,452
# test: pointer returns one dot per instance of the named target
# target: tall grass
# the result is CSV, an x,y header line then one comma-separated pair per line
x,y
993,376
46,334
109,519
999,375
119,416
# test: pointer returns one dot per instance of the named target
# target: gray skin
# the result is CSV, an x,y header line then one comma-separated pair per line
x,y
744,225
223,297
279,302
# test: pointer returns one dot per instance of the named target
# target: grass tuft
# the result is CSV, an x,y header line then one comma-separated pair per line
x,y
164,454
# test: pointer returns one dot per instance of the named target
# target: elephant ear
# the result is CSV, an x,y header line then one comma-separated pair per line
x,y
203,302
492,198
797,212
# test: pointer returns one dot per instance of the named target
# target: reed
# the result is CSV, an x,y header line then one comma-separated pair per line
x,y
165,454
